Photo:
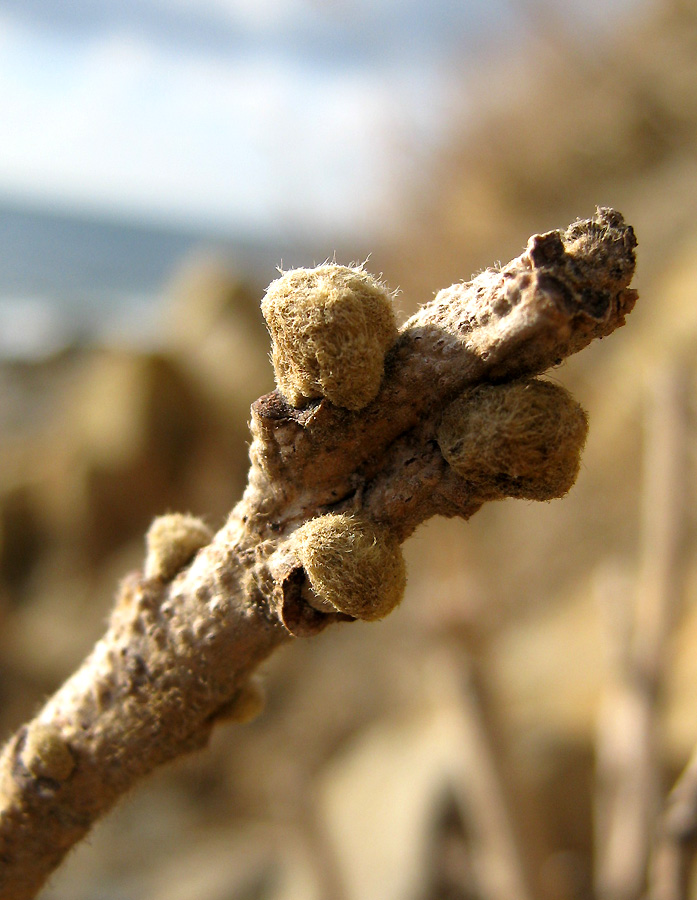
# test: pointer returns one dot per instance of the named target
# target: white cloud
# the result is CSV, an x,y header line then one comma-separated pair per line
x,y
269,133
119,122
258,14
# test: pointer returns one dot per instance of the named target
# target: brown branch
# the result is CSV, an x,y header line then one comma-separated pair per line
x,y
675,847
506,857
674,832
628,758
185,637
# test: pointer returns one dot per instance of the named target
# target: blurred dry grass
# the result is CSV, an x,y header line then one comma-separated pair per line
x,y
448,752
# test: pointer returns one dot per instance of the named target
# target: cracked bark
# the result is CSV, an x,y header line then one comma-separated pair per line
x,y
179,651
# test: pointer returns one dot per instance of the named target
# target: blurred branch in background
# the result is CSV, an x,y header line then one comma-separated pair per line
x,y
676,840
629,766
504,848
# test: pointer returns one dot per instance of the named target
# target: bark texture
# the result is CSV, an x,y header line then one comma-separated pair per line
x,y
186,636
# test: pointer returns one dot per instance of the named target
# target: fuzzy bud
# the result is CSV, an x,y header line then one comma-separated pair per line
x,y
249,702
46,754
353,564
172,541
522,439
330,329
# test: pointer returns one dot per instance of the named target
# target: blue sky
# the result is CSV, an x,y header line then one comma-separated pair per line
x,y
254,114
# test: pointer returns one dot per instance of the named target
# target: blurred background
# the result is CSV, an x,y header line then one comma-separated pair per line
x,y
159,160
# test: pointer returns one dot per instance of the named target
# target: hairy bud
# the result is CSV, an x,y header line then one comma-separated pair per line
x,y
46,754
353,564
172,541
249,702
330,328
522,439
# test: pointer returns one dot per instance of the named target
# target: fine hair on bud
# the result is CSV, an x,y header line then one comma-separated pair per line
x,y
46,754
249,702
522,439
352,563
171,542
330,329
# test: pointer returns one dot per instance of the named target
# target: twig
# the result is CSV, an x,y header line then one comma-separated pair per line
x,y
676,840
628,759
333,488
505,858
